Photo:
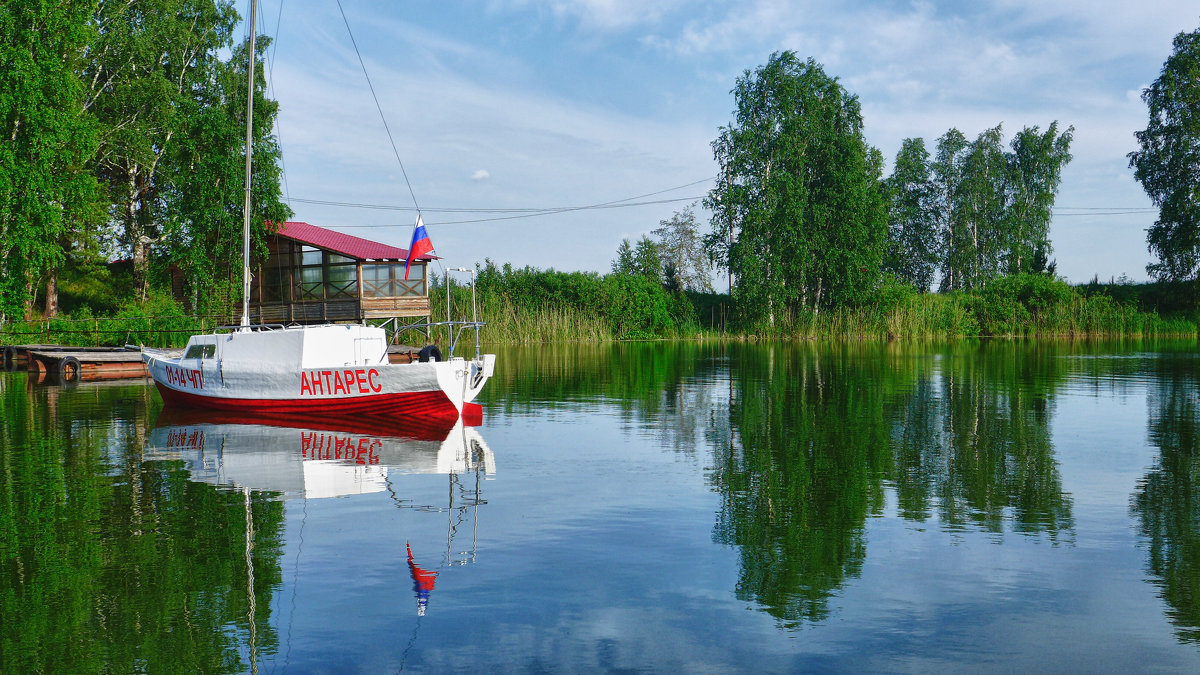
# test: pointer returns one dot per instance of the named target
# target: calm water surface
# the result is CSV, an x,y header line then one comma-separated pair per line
x,y
990,506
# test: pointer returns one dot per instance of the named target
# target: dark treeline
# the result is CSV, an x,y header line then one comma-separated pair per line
x,y
122,135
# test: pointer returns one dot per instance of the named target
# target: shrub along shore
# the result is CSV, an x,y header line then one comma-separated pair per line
x,y
523,306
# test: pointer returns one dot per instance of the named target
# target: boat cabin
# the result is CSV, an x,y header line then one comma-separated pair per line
x,y
314,275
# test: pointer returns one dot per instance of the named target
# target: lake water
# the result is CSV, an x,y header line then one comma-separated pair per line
x,y
987,506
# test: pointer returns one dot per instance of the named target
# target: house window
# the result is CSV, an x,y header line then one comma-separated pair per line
x,y
341,276
325,275
386,280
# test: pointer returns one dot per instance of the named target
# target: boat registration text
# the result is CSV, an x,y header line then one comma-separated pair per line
x,y
333,382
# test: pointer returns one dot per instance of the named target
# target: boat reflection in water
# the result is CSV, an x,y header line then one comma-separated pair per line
x,y
315,458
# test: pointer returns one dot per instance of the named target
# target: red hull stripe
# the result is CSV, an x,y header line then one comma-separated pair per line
x,y
433,404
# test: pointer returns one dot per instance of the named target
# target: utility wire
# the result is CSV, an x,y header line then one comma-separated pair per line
x,y
526,212
535,210
535,214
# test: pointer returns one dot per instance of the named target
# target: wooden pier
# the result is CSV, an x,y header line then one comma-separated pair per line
x,y
75,364
85,364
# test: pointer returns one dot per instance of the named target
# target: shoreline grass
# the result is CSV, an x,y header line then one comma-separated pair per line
x,y
539,307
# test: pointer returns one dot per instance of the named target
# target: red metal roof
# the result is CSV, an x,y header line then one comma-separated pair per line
x,y
345,244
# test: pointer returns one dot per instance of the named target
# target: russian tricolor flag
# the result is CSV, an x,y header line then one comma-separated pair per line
x,y
420,245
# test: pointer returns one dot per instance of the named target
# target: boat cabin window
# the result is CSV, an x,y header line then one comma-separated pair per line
x,y
201,351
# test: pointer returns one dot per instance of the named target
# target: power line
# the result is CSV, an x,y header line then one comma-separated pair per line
x,y
514,212
535,214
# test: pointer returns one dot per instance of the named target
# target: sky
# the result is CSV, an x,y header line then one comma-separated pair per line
x,y
499,107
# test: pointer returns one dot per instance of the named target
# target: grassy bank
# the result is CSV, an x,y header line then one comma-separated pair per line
x,y
159,322
523,306
527,306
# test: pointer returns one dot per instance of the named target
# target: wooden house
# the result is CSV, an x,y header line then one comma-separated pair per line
x,y
315,275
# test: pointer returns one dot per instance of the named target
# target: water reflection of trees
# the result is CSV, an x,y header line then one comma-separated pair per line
x,y
809,440
972,440
816,433
1167,500
114,564
796,487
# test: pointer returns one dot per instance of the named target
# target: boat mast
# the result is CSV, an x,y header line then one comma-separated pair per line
x,y
249,146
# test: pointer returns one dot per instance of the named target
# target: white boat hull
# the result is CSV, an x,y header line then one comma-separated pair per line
x,y
323,370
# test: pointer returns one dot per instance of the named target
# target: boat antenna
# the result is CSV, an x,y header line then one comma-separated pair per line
x,y
249,146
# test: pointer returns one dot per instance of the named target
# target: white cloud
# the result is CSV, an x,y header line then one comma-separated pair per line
x,y
480,174
605,15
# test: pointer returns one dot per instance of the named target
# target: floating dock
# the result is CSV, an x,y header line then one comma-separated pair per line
x,y
85,364
75,364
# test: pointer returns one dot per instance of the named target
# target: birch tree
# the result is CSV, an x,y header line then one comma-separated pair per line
x,y
1167,162
914,245
800,214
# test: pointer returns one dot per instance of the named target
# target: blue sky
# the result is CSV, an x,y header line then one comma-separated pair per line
x,y
519,104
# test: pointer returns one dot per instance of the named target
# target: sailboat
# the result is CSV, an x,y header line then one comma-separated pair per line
x,y
326,370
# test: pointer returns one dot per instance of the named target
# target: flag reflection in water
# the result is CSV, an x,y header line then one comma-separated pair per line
x,y
423,581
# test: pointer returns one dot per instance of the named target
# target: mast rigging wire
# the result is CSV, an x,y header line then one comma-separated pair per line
x,y
379,108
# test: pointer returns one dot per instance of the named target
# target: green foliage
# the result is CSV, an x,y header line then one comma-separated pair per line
x,y
993,206
134,97
530,305
1034,174
648,260
913,247
156,322
1038,304
798,209
205,194
623,263
1167,163
46,140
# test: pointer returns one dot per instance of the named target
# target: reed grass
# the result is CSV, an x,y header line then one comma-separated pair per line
x,y
592,309
516,324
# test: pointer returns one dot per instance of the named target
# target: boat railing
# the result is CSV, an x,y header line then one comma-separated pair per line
x,y
251,327
453,328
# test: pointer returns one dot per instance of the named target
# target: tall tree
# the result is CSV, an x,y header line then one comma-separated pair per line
x,y
647,260
983,202
994,206
1167,163
683,250
914,244
623,263
151,57
1034,172
45,142
800,189
203,187
947,178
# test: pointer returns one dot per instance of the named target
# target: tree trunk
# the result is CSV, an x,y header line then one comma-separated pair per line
x,y
52,295
30,299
